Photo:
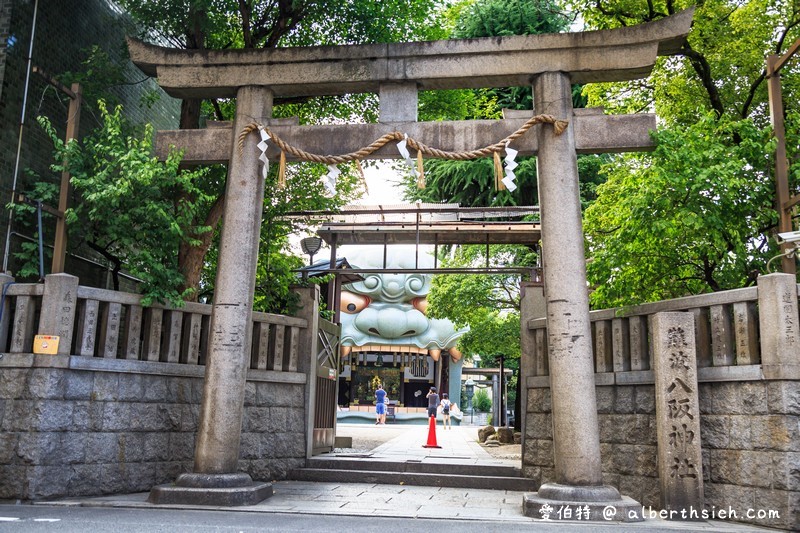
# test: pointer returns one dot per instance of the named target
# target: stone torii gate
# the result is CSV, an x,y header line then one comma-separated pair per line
x,y
551,63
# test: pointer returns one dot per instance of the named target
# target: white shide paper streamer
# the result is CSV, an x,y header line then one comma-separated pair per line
x,y
263,146
401,147
330,179
510,165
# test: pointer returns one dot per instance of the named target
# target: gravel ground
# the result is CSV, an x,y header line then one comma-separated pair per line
x,y
506,451
366,437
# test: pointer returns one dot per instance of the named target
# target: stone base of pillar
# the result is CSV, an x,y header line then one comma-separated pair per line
x,y
601,503
227,490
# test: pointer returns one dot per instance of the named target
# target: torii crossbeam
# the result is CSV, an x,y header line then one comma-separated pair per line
x,y
550,63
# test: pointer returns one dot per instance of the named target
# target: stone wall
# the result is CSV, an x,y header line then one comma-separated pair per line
x,y
67,432
750,434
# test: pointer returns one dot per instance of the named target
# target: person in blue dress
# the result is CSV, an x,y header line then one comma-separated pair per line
x,y
380,405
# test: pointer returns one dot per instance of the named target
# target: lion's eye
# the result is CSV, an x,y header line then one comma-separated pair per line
x,y
420,304
354,303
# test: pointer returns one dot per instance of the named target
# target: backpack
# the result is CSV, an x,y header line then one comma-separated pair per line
x,y
446,407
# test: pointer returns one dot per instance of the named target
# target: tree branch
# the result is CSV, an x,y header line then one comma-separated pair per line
x,y
111,258
703,70
244,11
760,79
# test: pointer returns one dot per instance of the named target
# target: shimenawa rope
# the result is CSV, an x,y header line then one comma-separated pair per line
x,y
558,126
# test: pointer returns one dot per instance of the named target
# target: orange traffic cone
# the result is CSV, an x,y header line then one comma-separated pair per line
x,y
431,434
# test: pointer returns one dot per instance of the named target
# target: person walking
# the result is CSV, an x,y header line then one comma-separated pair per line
x,y
433,402
380,405
445,403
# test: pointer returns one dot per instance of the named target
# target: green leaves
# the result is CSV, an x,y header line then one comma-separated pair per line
x,y
228,24
488,304
691,217
697,214
494,18
130,208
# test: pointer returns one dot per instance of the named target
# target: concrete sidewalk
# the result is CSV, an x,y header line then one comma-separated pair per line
x,y
458,447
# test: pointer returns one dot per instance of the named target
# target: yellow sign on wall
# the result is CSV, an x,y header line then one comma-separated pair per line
x,y
46,344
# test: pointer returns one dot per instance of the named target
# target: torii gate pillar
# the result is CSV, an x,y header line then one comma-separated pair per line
x,y
576,437
215,480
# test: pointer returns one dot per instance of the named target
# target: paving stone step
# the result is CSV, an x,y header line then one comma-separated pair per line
x,y
427,467
470,481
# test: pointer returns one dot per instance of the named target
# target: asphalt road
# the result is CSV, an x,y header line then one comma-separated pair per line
x,y
42,518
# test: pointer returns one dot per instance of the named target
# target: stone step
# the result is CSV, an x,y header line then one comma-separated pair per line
x,y
465,481
416,467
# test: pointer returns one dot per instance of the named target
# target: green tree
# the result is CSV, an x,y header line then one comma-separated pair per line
x,y
130,207
481,401
696,215
225,24
693,218
488,303
25,216
471,183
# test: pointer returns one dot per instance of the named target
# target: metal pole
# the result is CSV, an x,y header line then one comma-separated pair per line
x,y
505,402
332,283
416,246
500,387
6,252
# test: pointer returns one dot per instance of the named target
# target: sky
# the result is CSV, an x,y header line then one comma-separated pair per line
x,y
383,185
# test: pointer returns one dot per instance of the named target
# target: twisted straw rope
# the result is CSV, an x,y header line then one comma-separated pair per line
x,y
558,126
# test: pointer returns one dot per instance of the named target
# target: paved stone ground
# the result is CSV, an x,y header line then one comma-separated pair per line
x,y
458,446
487,509
368,437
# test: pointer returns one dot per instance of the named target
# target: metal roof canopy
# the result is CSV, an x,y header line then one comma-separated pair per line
x,y
430,224
427,224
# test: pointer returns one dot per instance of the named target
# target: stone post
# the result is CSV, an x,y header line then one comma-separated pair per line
x,y
398,102
530,307
214,480
454,384
5,311
59,305
308,347
680,461
779,325
576,437
496,400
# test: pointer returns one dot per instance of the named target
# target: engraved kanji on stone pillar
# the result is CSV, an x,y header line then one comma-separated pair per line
x,y
677,413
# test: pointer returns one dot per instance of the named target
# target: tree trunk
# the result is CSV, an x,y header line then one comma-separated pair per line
x,y
190,258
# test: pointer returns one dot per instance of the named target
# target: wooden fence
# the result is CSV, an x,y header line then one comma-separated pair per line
x,y
727,332
114,325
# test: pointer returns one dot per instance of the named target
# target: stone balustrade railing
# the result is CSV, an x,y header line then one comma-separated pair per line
x,y
103,324
731,333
